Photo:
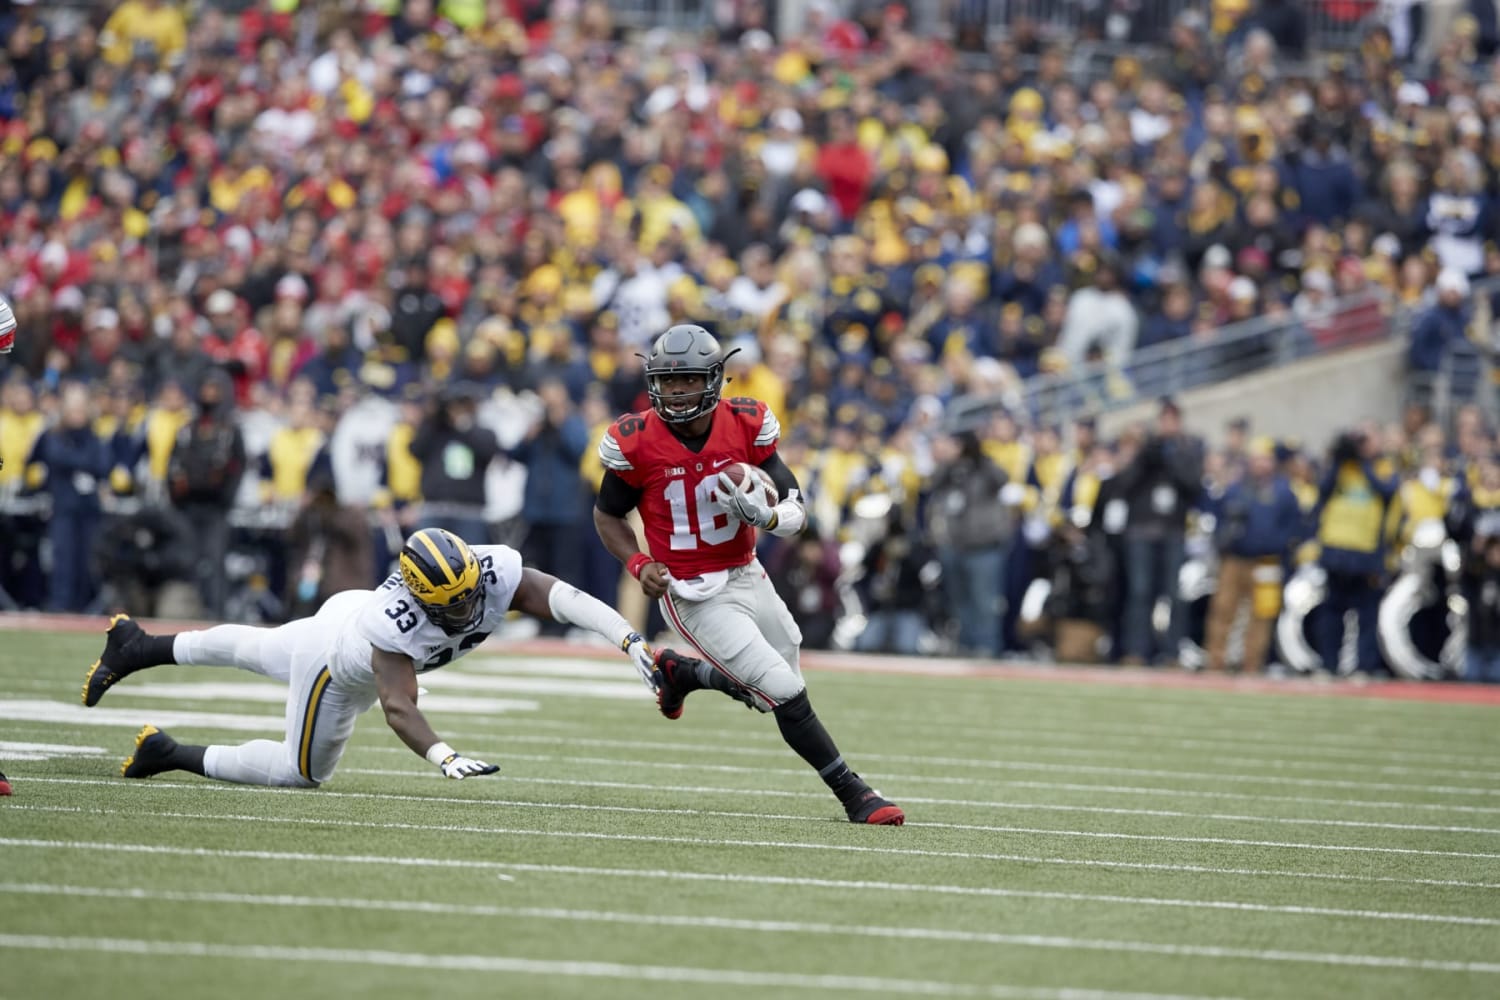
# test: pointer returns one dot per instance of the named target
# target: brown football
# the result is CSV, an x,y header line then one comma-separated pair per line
x,y
739,470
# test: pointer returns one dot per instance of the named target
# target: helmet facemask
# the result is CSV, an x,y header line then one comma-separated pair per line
x,y
459,615
444,577
669,406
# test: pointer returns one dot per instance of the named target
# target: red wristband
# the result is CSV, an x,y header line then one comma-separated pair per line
x,y
638,562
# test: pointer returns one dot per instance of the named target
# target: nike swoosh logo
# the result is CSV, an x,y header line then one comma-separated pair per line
x,y
724,461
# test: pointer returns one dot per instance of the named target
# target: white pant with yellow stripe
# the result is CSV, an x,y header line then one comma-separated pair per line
x,y
320,713
746,633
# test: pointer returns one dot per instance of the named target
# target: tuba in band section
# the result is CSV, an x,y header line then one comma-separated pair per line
x,y
1197,579
1423,620
1295,647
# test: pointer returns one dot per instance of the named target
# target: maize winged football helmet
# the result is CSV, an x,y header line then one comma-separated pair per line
x,y
443,574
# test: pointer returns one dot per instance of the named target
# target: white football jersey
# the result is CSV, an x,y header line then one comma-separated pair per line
x,y
390,619
357,449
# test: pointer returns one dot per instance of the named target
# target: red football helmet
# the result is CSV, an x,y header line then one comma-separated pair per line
x,y
7,327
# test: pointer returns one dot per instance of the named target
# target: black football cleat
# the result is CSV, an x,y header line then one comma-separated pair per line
x,y
677,677
124,653
869,808
154,752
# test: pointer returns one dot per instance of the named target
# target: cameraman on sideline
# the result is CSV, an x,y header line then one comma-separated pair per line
x,y
1160,484
1350,516
455,451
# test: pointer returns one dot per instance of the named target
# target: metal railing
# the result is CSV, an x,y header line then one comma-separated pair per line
x,y
674,15
1179,365
1331,25
1467,374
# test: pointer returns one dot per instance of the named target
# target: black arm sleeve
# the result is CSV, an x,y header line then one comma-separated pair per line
x,y
616,497
783,477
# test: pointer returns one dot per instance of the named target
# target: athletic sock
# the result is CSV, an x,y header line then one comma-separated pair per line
x,y
158,649
804,733
181,757
189,758
705,676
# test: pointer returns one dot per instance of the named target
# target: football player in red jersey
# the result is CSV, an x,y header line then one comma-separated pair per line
x,y
7,327
700,529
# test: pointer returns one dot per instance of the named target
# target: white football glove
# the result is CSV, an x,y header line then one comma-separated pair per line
x,y
743,504
458,767
644,659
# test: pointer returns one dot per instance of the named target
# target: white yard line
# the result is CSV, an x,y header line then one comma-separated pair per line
x,y
540,967
8,747
458,908
1198,722
726,814
36,710
819,796
1092,789
921,779
77,715
1003,765
763,926
1037,731
582,673
701,842
736,878
1005,738
511,729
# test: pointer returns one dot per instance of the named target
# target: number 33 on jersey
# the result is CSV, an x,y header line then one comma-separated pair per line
x,y
393,621
684,528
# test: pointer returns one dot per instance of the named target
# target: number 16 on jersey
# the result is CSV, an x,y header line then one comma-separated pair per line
x,y
714,527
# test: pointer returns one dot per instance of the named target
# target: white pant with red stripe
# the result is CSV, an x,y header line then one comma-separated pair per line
x,y
745,632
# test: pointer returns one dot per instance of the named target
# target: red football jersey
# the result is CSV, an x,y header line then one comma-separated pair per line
x,y
684,528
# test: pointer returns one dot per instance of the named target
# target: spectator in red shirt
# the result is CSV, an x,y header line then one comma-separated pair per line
x,y
236,343
845,166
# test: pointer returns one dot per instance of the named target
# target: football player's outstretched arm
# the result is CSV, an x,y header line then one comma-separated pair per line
x,y
550,599
616,499
396,683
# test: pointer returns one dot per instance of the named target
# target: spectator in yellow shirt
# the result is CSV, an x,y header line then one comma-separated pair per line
x,y
750,376
138,24
164,422
21,423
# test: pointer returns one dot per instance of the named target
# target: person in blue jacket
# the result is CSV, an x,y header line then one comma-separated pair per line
x,y
1258,522
1437,332
70,462
556,505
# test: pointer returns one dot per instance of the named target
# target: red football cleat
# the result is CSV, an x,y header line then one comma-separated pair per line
x,y
873,810
4,786
675,670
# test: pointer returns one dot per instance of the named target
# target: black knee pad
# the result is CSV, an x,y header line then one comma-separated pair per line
x,y
798,709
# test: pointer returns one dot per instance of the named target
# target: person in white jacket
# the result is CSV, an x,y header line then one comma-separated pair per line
x,y
1099,316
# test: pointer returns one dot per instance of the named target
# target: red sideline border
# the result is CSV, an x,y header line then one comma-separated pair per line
x,y
859,663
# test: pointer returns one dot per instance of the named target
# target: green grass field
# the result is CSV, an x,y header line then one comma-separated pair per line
x,y
1064,840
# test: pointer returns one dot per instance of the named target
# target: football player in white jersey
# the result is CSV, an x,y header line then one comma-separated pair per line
x,y
361,647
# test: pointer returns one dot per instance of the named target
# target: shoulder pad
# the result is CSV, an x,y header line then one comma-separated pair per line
x,y
617,441
770,428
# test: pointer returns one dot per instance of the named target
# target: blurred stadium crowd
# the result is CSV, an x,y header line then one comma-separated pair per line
x,y
290,278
